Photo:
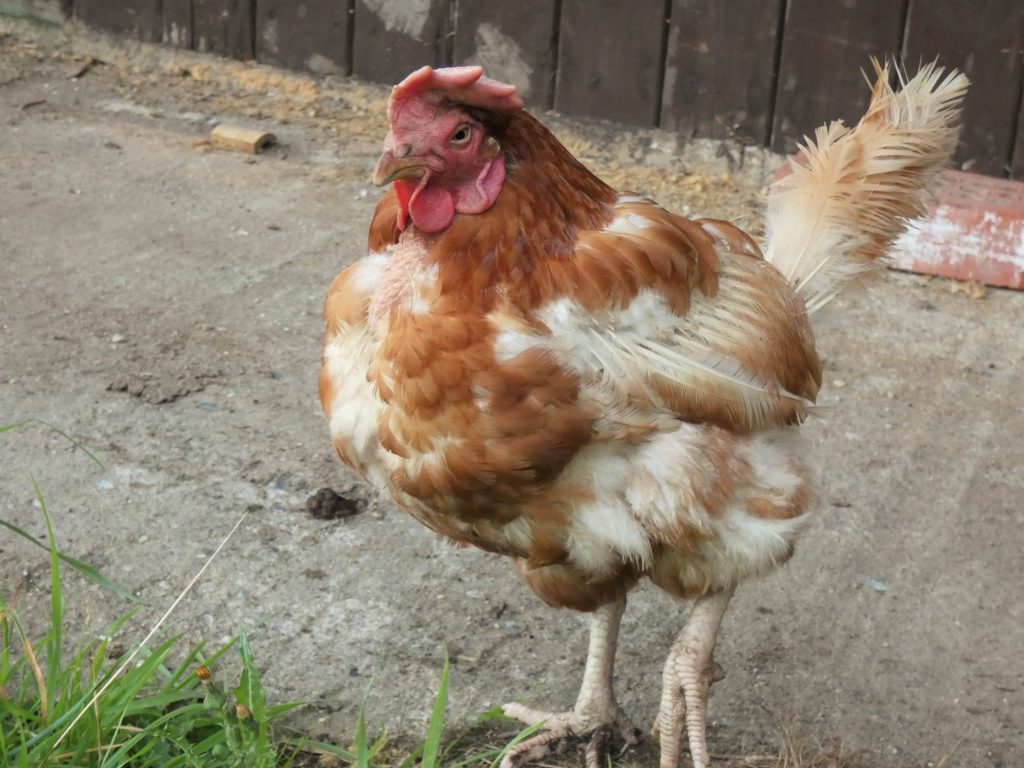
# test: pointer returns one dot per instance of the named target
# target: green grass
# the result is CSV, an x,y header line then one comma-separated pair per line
x,y
461,751
86,709
162,706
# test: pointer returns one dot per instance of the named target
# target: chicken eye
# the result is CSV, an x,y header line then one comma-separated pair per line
x,y
462,135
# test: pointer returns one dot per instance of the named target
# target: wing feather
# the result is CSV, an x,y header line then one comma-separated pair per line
x,y
694,324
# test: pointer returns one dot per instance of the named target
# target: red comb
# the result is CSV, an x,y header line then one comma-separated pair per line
x,y
464,85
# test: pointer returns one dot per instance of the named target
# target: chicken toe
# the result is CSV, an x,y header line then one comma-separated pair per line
x,y
689,673
562,727
596,714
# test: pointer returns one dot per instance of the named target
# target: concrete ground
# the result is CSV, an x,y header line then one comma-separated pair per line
x,y
161,303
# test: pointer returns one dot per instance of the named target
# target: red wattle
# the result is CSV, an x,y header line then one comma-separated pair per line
x,y
432,207
403,191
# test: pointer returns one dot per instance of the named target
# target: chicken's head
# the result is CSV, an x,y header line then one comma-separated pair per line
x,y
439,154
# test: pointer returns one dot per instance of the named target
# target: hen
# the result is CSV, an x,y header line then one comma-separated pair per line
x,y
535,364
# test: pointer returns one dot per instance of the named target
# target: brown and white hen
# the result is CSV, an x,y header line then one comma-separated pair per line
x,y
533,363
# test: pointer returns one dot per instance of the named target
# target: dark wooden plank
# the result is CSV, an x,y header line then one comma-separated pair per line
x,y
394,37
714,87
1017,163
984,38
309,34
513,42
610,57
224,27
138,18
177,23
826,44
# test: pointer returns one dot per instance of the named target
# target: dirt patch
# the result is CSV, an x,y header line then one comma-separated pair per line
x,y
134,261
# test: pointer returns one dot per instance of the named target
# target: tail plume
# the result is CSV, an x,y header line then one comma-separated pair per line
x,y
832,219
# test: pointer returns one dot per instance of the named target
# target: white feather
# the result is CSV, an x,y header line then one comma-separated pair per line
x,y
832,219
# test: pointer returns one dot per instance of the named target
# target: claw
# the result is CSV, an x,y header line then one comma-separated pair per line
x,y
599,748
631,735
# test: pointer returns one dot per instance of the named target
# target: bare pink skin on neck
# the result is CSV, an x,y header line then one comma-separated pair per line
x,y
407,258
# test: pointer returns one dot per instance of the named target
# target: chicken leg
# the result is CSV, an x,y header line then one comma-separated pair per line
x,y
596,712
689,673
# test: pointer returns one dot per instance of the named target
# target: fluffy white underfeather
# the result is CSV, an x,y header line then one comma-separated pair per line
x,y
629,224
641,493
355,408
367,272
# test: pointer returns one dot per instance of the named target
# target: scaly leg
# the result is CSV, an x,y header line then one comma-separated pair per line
x,y
689,673
596,711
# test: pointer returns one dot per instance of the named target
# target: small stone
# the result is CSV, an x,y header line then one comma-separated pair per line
x,y
117,338
105,485
838,383
879,586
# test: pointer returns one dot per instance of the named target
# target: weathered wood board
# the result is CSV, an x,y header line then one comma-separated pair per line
x,y
313,35
514,43
610,59
715,88
394,37
985,39
826,44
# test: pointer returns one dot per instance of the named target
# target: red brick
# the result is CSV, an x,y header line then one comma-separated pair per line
x,y
974,231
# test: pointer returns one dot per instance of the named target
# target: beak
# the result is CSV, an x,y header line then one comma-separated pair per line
x,y
390,168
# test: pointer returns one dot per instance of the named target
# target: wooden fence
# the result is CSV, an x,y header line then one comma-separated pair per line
x,y
762,71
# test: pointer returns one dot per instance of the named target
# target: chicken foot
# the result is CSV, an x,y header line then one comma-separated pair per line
x,y
596,712
689,673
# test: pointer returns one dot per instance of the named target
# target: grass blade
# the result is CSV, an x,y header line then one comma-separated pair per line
x,y
432,745
322,747
521,736
37,670
75,443
53,654
250,692
362,751
83,568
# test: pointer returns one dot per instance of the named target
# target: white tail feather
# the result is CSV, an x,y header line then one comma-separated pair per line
x,y
832,219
